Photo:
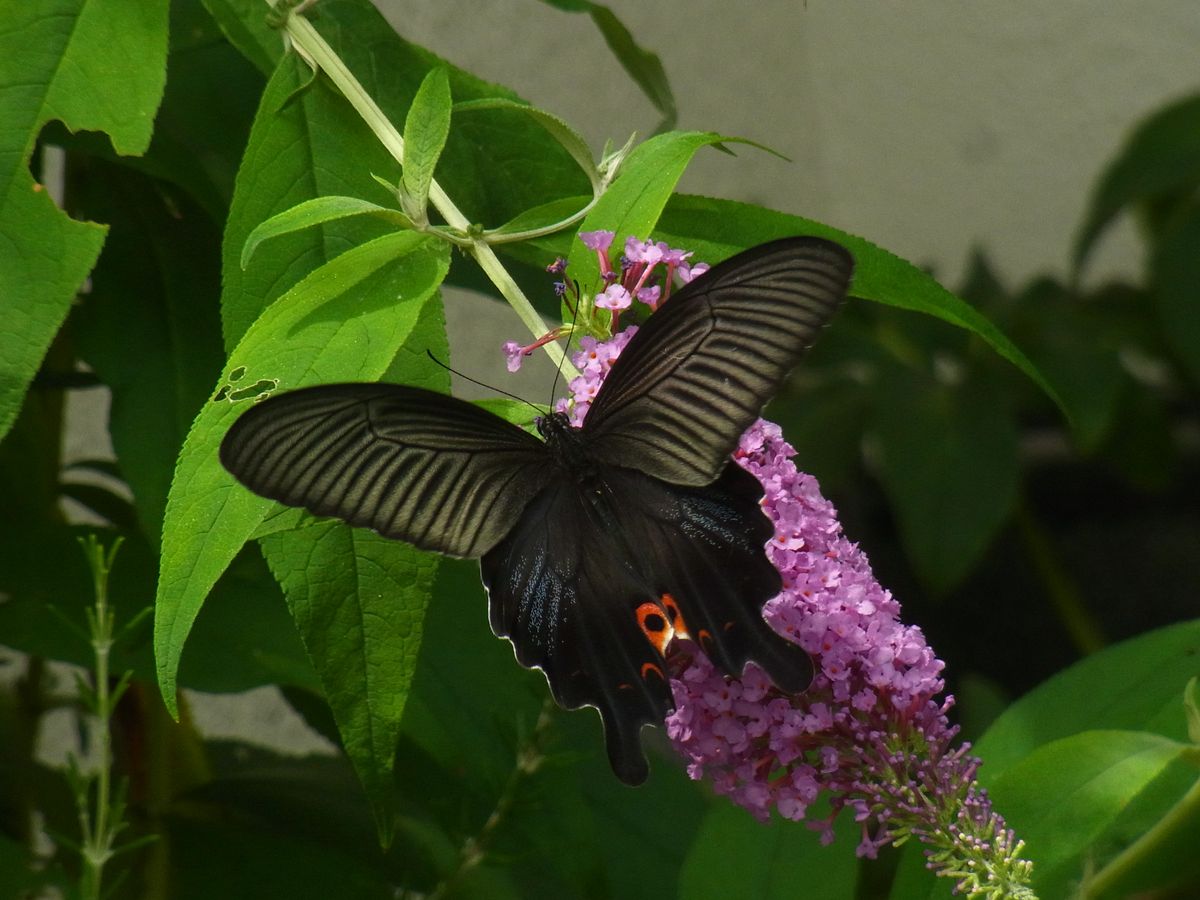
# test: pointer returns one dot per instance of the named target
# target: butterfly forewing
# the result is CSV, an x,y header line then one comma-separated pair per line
x,y
700,370
412,464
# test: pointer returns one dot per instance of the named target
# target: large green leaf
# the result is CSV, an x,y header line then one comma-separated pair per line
x,y
1134,685
99,65
716,229
1161,155
150,328
948,460
735,855
359,602
344,322
1064,796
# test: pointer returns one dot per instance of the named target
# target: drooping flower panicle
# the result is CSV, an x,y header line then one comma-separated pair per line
x,y
870,733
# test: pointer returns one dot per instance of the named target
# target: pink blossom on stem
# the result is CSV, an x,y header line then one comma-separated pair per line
x,y
600,241
614,297
514,355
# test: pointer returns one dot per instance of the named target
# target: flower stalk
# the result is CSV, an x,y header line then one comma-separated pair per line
x,y
99,804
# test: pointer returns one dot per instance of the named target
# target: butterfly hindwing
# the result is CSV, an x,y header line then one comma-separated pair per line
x,y
412,464
561,589
700,370
704,548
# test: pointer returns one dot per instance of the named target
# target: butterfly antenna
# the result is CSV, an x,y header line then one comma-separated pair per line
x,y
481,384
574,317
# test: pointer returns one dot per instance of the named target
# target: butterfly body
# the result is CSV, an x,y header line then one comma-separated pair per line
x,y
598,545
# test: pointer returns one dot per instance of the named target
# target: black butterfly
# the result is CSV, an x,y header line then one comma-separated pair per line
x,y
598,544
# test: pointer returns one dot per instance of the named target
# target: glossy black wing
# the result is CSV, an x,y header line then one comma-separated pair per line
x,y
586,584
412,464
700,370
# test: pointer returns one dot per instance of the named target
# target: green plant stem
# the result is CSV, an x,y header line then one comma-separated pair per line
x,y
318,53
474,849
99,831
1177,816
1064,594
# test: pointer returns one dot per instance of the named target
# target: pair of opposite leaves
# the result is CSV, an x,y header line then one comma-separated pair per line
x,y
597,544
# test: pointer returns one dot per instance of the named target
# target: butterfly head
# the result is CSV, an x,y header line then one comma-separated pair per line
x,y
553,426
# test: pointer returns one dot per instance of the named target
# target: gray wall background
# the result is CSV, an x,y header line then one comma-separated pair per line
x,y
927,126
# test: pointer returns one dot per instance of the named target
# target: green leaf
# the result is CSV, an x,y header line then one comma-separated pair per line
x,y
644,67
1161,156
99,66
633,203
1143,681
516,411
735,855
1175,272
244,22
149,327
948,460
425,131
1067,794
716,229
570,139
315,212
361,622
344,322
541,217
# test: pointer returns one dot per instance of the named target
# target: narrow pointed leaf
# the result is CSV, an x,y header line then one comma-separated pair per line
x,y
316,212
633,203
571,140
643,66
361,623
425,130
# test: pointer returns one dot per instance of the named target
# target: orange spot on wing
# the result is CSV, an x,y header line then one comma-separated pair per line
x,y
647,668
675,617
655,625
